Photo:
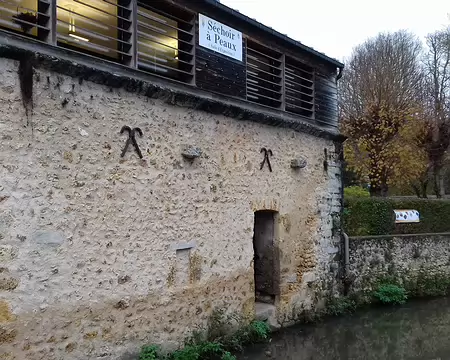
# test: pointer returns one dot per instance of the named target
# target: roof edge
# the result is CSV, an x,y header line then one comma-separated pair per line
x,y
83,67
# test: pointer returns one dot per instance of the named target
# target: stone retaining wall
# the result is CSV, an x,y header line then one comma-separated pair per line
x,y
414,261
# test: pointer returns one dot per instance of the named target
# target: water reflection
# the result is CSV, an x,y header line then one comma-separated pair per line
x,y
417,331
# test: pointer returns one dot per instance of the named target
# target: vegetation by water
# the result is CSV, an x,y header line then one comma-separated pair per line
x,y
386,293
391,294
340,306
215,342
417,330
207,350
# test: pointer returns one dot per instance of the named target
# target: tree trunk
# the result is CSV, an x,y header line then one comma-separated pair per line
x,y
417,190
438,184
379,190
420,188
424,189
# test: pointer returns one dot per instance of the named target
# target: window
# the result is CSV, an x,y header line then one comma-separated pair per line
x,y
166,42
27,17
272,79
95,26
264,75
299,88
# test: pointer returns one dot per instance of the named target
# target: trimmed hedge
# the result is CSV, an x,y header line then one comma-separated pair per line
x,y
356,191
375,216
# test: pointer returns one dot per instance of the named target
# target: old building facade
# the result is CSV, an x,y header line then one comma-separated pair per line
x,y
225,193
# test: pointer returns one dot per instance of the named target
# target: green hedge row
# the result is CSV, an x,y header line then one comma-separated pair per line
x,y
375,216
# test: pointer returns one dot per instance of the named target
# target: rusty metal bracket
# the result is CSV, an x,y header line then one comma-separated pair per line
x,y
131,140
267,154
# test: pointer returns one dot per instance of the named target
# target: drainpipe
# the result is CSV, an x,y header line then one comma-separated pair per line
x,y
339,75
340,148
346,255
346,244
346,241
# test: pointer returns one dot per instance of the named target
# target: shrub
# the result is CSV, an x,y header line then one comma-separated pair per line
x,y
259,331
256,332
212,349
356,191
202,351
340,306
391,294
431,285
149,353
375,216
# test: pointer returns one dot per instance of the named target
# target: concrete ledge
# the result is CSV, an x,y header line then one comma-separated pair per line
x,y
184,246
384,237
85,67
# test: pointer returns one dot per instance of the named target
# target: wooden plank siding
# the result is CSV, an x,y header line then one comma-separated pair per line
x,y
162,38
219,73
265,75
326,99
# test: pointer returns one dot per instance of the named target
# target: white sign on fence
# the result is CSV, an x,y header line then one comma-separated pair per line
x,y
218,37
406,216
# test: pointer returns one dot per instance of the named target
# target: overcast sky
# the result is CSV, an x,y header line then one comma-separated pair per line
x,y
335,27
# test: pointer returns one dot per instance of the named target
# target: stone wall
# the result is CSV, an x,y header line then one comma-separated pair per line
x,y
417,262
100,254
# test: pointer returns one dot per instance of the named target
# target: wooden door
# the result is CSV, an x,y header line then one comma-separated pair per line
x,y
266,259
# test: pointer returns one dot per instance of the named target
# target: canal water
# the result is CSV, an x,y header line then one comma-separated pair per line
x,y
416,331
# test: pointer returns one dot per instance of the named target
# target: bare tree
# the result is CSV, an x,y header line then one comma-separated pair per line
x,y
437,72
378,95
384,69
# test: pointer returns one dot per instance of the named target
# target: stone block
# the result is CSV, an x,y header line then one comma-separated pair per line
x,y
7,281
292,279
48,238
309,277
298,163
191,152
184,246
332,250
8,252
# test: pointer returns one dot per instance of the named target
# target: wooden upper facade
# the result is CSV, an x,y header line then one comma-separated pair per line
x,y
203,44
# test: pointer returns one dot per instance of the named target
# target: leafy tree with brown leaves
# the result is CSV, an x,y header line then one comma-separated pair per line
x,y
387,154
379,98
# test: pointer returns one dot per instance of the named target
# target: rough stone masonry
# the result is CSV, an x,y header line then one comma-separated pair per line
x,y
100,254
415,262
